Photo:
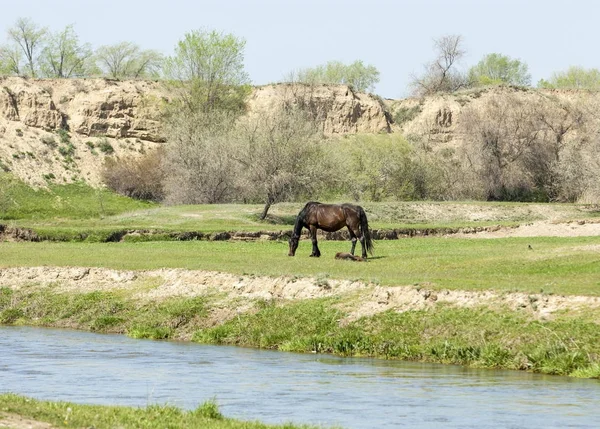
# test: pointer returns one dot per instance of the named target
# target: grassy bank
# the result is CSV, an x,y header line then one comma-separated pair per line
x,y
481,337
478,336
20,202
65,414
77,212
554,265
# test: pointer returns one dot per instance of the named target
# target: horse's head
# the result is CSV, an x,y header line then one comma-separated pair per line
x,y
293,244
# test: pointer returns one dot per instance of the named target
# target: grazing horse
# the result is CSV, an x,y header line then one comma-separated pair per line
x,y
332,217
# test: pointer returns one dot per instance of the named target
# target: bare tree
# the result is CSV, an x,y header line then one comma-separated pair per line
x,y
138,177
127,60
280,155
198,165
503,141
28,36
441,74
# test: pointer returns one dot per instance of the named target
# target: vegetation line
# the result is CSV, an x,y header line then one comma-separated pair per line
x,y
478,336
68,414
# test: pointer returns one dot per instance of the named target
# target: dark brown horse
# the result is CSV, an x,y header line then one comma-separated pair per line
x,y
332,217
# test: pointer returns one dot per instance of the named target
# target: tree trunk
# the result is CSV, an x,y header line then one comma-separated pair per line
x,y
266,209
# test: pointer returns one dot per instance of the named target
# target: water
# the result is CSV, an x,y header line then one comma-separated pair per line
x,y
279,387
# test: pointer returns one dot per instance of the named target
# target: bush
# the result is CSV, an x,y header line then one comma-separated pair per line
x,y
386,166
64,136
140,178
105,147
67,150
406,114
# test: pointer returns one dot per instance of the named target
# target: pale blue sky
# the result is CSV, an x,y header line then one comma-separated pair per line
x,y
394,36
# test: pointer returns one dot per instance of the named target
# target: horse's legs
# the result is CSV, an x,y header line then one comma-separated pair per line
x,y
313,238
353,239
363,245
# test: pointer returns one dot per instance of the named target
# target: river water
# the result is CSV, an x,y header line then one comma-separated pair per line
x,y
277,387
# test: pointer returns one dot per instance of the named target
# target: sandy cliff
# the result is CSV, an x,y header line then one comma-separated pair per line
x,y
120,118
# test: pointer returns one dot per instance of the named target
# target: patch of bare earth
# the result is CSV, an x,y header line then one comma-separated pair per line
x,y
14,421
579,228
231,294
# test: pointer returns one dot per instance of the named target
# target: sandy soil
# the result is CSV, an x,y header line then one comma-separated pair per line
x,y
231,294
17,422
579,228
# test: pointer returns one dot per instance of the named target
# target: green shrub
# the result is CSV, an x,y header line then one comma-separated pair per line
x,y
64,136
105,147
67,150
406,114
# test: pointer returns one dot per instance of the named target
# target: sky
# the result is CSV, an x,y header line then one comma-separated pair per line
x,y
394,36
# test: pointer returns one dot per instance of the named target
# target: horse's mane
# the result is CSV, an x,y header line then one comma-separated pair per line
x,y
300,219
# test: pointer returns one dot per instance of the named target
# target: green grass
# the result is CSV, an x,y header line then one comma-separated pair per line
x,y
244,217
555,265
18,201
478,337
101,312
66,414
77,212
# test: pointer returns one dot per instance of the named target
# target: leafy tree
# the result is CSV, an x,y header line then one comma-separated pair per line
x,y
209,69
64,56
441,74
209,85
358,75
378,166
28,36
127,60
496,69
10,60
574,77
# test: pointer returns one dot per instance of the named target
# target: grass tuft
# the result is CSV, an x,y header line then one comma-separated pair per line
x,y
66,414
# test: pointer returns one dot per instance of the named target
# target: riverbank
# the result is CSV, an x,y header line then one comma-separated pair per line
x,y
540,332
19,412
520,296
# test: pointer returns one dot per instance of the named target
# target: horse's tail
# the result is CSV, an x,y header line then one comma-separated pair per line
x,y
364,226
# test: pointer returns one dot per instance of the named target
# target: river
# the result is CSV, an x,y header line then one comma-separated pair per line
x,y
277,387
